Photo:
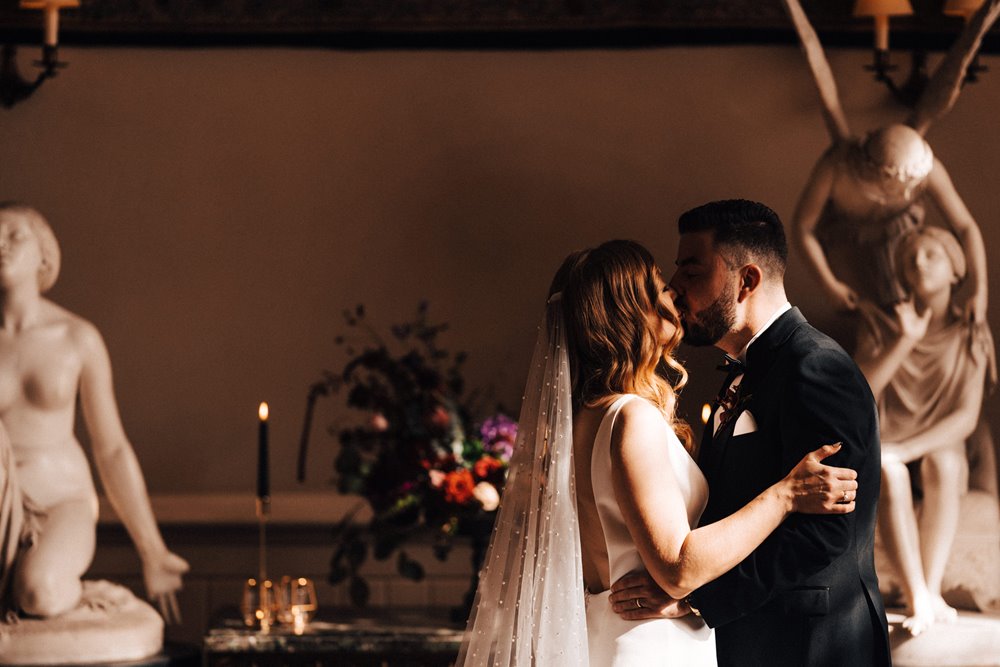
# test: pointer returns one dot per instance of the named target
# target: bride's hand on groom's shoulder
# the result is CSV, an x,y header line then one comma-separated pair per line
x,y
636,597
813,487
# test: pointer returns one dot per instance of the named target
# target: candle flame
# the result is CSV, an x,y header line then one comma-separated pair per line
x,y
262,412
706,412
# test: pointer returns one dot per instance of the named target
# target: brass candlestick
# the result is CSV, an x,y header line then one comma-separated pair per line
x,y
266,597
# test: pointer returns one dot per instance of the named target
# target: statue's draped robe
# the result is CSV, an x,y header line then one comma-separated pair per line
x,y
17,522
928,385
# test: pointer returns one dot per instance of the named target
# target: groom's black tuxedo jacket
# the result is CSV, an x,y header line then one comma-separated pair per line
x,y
808,595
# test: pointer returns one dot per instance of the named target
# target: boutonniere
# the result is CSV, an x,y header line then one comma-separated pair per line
x,y
730,409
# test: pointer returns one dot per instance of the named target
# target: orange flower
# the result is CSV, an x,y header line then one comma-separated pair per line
x,y
458,486
485,466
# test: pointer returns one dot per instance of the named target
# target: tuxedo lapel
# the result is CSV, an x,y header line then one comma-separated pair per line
x,y
709,454
713,445
760,356
712,459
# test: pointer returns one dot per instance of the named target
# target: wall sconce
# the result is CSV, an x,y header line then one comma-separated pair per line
x,y
13,88
916,81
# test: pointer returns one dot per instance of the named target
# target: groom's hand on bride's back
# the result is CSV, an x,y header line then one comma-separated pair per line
x,y
636,597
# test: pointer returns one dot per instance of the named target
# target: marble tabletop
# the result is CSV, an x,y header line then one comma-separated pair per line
x,y
377,637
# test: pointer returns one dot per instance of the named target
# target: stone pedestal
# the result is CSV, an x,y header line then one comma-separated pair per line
x,y
109,625
973,640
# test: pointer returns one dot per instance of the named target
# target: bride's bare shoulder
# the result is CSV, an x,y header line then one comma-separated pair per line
x,y
639,422
640,409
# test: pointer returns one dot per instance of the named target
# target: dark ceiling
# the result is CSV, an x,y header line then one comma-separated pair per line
x,y
466,23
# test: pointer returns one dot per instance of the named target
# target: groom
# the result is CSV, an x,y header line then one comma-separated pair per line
x,y
808,595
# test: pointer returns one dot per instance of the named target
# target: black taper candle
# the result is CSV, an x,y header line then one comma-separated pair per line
x,y
263,475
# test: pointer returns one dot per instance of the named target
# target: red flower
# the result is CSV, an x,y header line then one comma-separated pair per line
x,y
439,419
458,486
486,465
440,463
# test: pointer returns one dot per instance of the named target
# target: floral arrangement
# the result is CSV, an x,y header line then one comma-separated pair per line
x,y
413,453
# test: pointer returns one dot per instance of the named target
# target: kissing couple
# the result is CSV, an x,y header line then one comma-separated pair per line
x,y
619,542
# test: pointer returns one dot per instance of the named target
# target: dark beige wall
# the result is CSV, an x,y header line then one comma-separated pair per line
x,y
218,208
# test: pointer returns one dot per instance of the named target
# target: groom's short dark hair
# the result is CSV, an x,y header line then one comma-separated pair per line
x,y
751,231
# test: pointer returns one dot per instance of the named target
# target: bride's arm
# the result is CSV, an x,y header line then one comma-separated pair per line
x,y
678,558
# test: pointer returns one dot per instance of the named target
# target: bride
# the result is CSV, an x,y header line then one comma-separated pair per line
x,y
603,483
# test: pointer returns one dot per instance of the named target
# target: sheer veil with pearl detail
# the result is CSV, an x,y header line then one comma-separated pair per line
x,y
529,607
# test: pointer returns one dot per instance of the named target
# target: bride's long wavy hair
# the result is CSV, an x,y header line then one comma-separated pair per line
x,y
610,300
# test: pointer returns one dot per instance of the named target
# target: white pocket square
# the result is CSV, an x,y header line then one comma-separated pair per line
x,y
745,423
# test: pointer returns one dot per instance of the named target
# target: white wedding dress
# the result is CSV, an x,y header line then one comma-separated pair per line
x,y
613,641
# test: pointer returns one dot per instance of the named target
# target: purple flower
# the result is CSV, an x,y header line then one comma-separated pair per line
x,y
499,434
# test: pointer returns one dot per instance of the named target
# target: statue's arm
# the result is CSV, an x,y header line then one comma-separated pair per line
x,y
946,83
118,466
833,113
879,363
944,195
803,227
879,369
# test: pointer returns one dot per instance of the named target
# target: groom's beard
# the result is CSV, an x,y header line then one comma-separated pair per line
x,y
713,322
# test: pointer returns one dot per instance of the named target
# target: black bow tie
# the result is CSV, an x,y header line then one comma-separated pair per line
x,y
732,366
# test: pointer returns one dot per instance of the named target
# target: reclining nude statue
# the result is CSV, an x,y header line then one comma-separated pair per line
x,y
48,504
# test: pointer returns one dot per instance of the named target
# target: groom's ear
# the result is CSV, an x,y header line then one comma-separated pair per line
x,y
750,278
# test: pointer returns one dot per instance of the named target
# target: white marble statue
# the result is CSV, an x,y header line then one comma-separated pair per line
x,y
49,357
865,193
927,366
921,296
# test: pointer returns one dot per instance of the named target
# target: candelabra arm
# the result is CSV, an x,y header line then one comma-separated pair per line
x,y
910,91
14,87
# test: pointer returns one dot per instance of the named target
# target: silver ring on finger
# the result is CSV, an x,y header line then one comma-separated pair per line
x,y
638,604
846,498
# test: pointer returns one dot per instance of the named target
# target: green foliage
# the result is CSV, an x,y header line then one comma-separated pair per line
x,y
412,455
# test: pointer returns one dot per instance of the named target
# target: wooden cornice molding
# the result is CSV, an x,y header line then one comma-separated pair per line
x,y
465,24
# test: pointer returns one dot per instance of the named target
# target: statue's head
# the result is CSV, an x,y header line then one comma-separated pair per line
x,y
48,270
896,159
930,259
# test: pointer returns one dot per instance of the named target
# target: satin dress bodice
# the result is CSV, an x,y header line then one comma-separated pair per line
x,y
616,642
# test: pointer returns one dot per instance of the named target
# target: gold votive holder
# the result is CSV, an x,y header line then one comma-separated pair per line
x,y
297,602
259,605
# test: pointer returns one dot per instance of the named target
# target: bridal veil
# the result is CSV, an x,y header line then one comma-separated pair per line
x,y
529,607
